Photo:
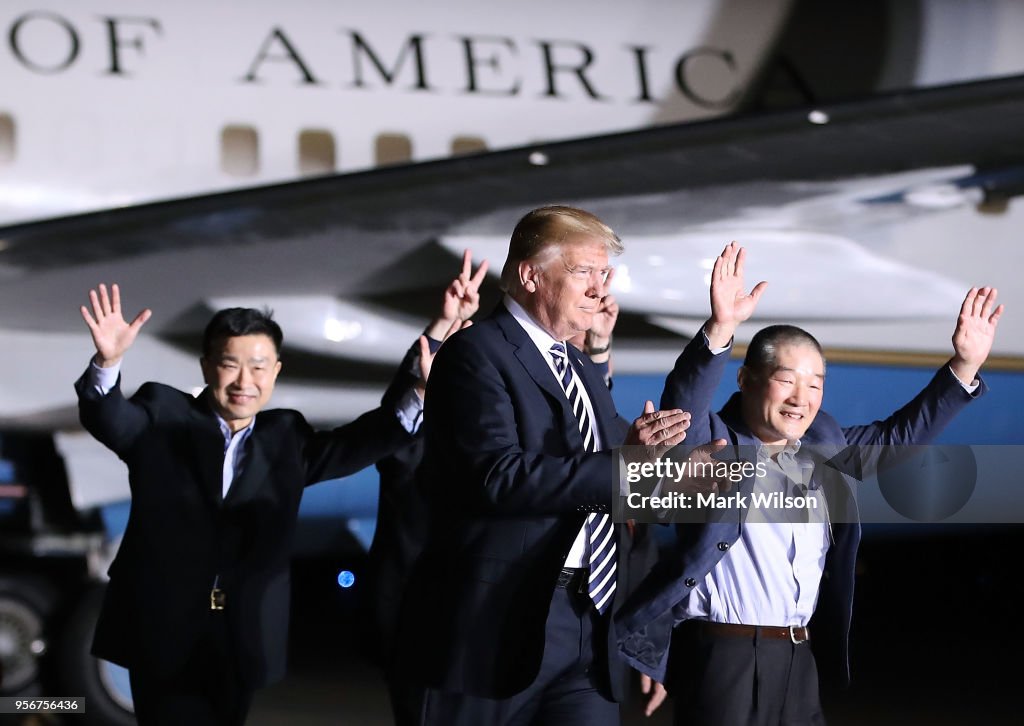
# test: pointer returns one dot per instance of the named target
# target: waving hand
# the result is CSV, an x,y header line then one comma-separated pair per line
x,y
111,334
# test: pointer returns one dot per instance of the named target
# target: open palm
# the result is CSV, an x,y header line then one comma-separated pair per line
x,y
111,333
730,303
976,326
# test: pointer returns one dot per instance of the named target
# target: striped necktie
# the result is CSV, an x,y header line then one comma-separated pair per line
x,y
600,532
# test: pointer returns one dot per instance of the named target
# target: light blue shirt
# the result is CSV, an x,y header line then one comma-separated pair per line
x,y
772,573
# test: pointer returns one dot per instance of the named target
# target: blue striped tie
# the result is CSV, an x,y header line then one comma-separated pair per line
x,y
600,533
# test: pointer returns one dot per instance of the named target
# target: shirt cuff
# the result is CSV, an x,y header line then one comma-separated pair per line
x,y
714,351
969,387
103,379
410,411
433,345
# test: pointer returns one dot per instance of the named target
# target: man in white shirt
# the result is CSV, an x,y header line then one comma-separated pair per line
x,y
725,623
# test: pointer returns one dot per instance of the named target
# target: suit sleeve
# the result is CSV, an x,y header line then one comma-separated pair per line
x,y
473,442
113,420
370,438
352,447
405,377
691,385
920,420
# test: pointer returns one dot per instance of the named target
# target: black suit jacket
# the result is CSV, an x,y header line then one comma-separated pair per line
x,y
509,487
181,533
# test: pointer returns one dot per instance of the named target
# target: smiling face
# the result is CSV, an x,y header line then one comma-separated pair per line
x,y
564,285
240,374
779,405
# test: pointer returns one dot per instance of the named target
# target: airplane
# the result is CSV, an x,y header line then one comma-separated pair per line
x,y
332,161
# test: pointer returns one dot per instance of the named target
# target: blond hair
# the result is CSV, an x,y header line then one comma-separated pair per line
x,y
544,229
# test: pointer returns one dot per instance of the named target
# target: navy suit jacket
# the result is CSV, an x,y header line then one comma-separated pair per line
x,y
646,622
181,532
509,486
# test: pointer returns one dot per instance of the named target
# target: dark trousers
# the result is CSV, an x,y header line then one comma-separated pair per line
x,y
727,680
206,691
406,700
568,690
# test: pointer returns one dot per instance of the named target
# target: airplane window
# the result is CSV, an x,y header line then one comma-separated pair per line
x,y
6,139
393,149
239,150
316,152
467,145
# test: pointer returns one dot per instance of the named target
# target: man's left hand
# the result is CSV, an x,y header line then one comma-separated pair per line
x,y
975,332
656,691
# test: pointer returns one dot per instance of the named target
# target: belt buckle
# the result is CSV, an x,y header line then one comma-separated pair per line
x,y
792,635
217,599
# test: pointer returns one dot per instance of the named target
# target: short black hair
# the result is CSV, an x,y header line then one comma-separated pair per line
x,y
764,346
233,322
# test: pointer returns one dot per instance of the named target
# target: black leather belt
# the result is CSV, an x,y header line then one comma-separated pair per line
x,y
573,579
774,632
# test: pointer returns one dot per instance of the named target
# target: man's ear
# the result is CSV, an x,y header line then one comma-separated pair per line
x,y
742,377
528,273
277,369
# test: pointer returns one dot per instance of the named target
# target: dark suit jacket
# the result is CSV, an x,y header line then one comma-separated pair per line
x,y
647,620
181,534
509,486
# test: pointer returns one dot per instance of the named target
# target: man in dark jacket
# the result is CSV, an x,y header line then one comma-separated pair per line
x,y
198,600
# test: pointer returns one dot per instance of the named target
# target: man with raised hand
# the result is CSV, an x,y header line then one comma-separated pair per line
x,y
198,600
725,621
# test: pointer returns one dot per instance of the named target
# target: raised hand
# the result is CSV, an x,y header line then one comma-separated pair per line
x,y
730,303
427,358
111,334
600,334
975,332
654,433
462,297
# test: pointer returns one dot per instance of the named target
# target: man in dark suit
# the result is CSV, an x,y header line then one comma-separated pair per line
x,y
197,605
725,622
402,514
508,611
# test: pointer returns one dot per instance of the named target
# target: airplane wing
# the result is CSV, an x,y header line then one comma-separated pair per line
x,y
870,218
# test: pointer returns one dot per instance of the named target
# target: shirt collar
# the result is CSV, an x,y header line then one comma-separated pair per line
x,y
540,337
790,450
243,434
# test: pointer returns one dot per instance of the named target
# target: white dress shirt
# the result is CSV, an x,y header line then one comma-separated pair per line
x,y
579,554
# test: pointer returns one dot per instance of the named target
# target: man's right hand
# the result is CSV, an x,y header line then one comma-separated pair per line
x,y
111,334
730,305
655,432
461,297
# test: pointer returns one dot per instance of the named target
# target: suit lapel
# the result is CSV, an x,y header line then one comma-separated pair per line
x,y
532,360
255,469
207,443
